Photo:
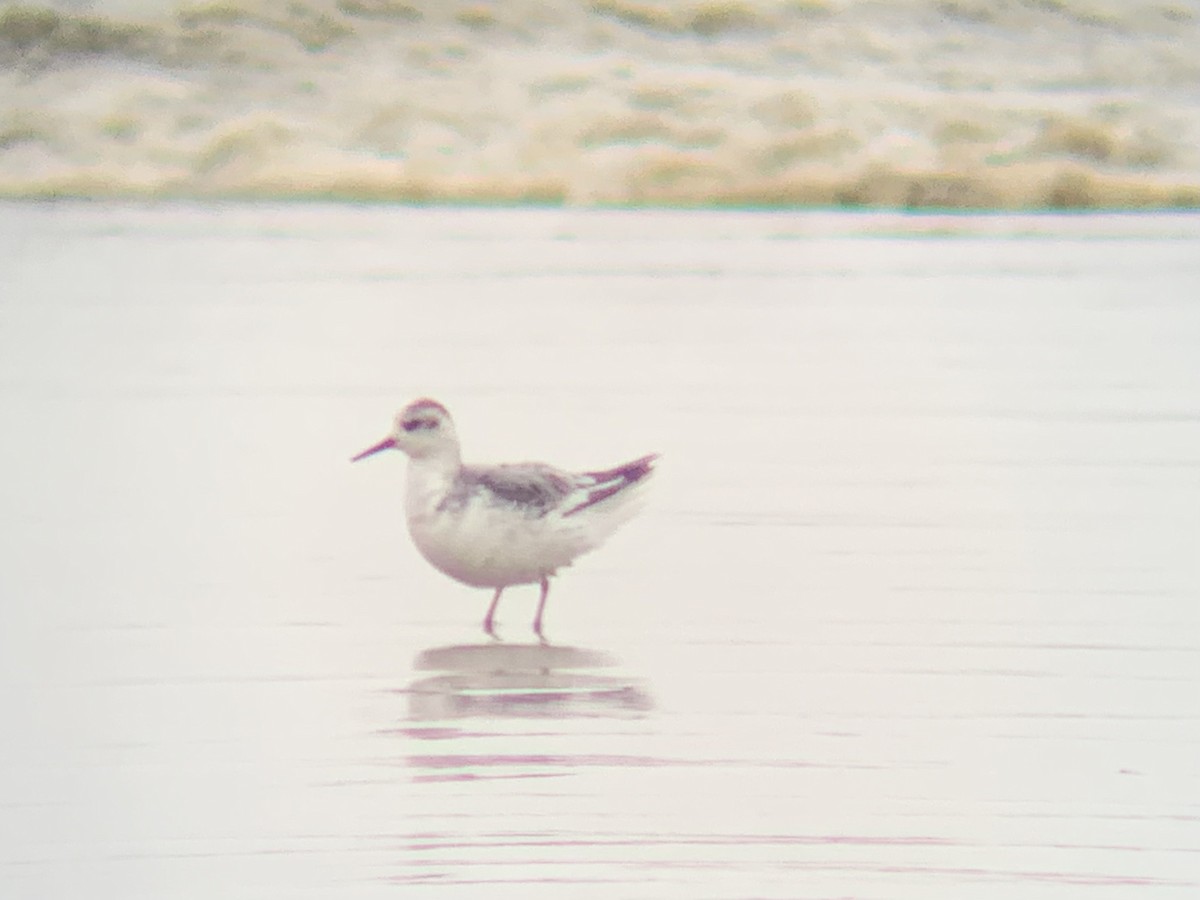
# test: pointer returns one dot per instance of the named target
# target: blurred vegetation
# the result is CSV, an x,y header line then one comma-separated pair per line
x,y
379,9
313,28
708,18
31,30
684,102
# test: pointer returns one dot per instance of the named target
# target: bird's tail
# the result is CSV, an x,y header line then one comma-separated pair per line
x,y
612,483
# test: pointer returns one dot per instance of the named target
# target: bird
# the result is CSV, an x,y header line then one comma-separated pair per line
x,y
503,525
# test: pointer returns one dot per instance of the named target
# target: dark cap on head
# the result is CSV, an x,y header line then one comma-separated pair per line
x,y
425,404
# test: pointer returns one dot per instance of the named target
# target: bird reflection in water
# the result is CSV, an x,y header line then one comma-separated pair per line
x,y
521,681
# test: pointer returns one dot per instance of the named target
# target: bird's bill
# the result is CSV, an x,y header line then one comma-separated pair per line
x,y
387,443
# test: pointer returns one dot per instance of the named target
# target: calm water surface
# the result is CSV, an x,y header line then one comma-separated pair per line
x,y
912,612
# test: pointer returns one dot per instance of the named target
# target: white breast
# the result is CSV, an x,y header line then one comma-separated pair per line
x,y
482,543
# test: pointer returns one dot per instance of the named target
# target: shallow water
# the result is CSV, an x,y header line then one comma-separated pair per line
x,y
911,612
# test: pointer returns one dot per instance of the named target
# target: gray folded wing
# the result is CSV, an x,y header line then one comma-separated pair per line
x,y
532,487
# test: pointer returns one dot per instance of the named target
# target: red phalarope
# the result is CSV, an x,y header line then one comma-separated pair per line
x,y
497,526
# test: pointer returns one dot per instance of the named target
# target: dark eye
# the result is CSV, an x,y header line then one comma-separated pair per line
x,y
416,424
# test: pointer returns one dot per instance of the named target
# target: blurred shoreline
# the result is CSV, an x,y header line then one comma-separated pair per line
x,y
923,104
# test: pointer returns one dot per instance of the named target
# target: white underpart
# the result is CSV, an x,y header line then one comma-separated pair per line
x,y
494,544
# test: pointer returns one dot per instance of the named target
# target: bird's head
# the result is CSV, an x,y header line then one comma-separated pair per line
x,y
423,430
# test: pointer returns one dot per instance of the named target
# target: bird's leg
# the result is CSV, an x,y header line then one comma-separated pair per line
x,y
491,613
537,620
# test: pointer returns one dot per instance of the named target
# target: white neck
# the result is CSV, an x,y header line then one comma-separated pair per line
x,y
429,480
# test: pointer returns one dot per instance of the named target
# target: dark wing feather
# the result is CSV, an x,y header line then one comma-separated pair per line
x,y
612,481
630,471
533,486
